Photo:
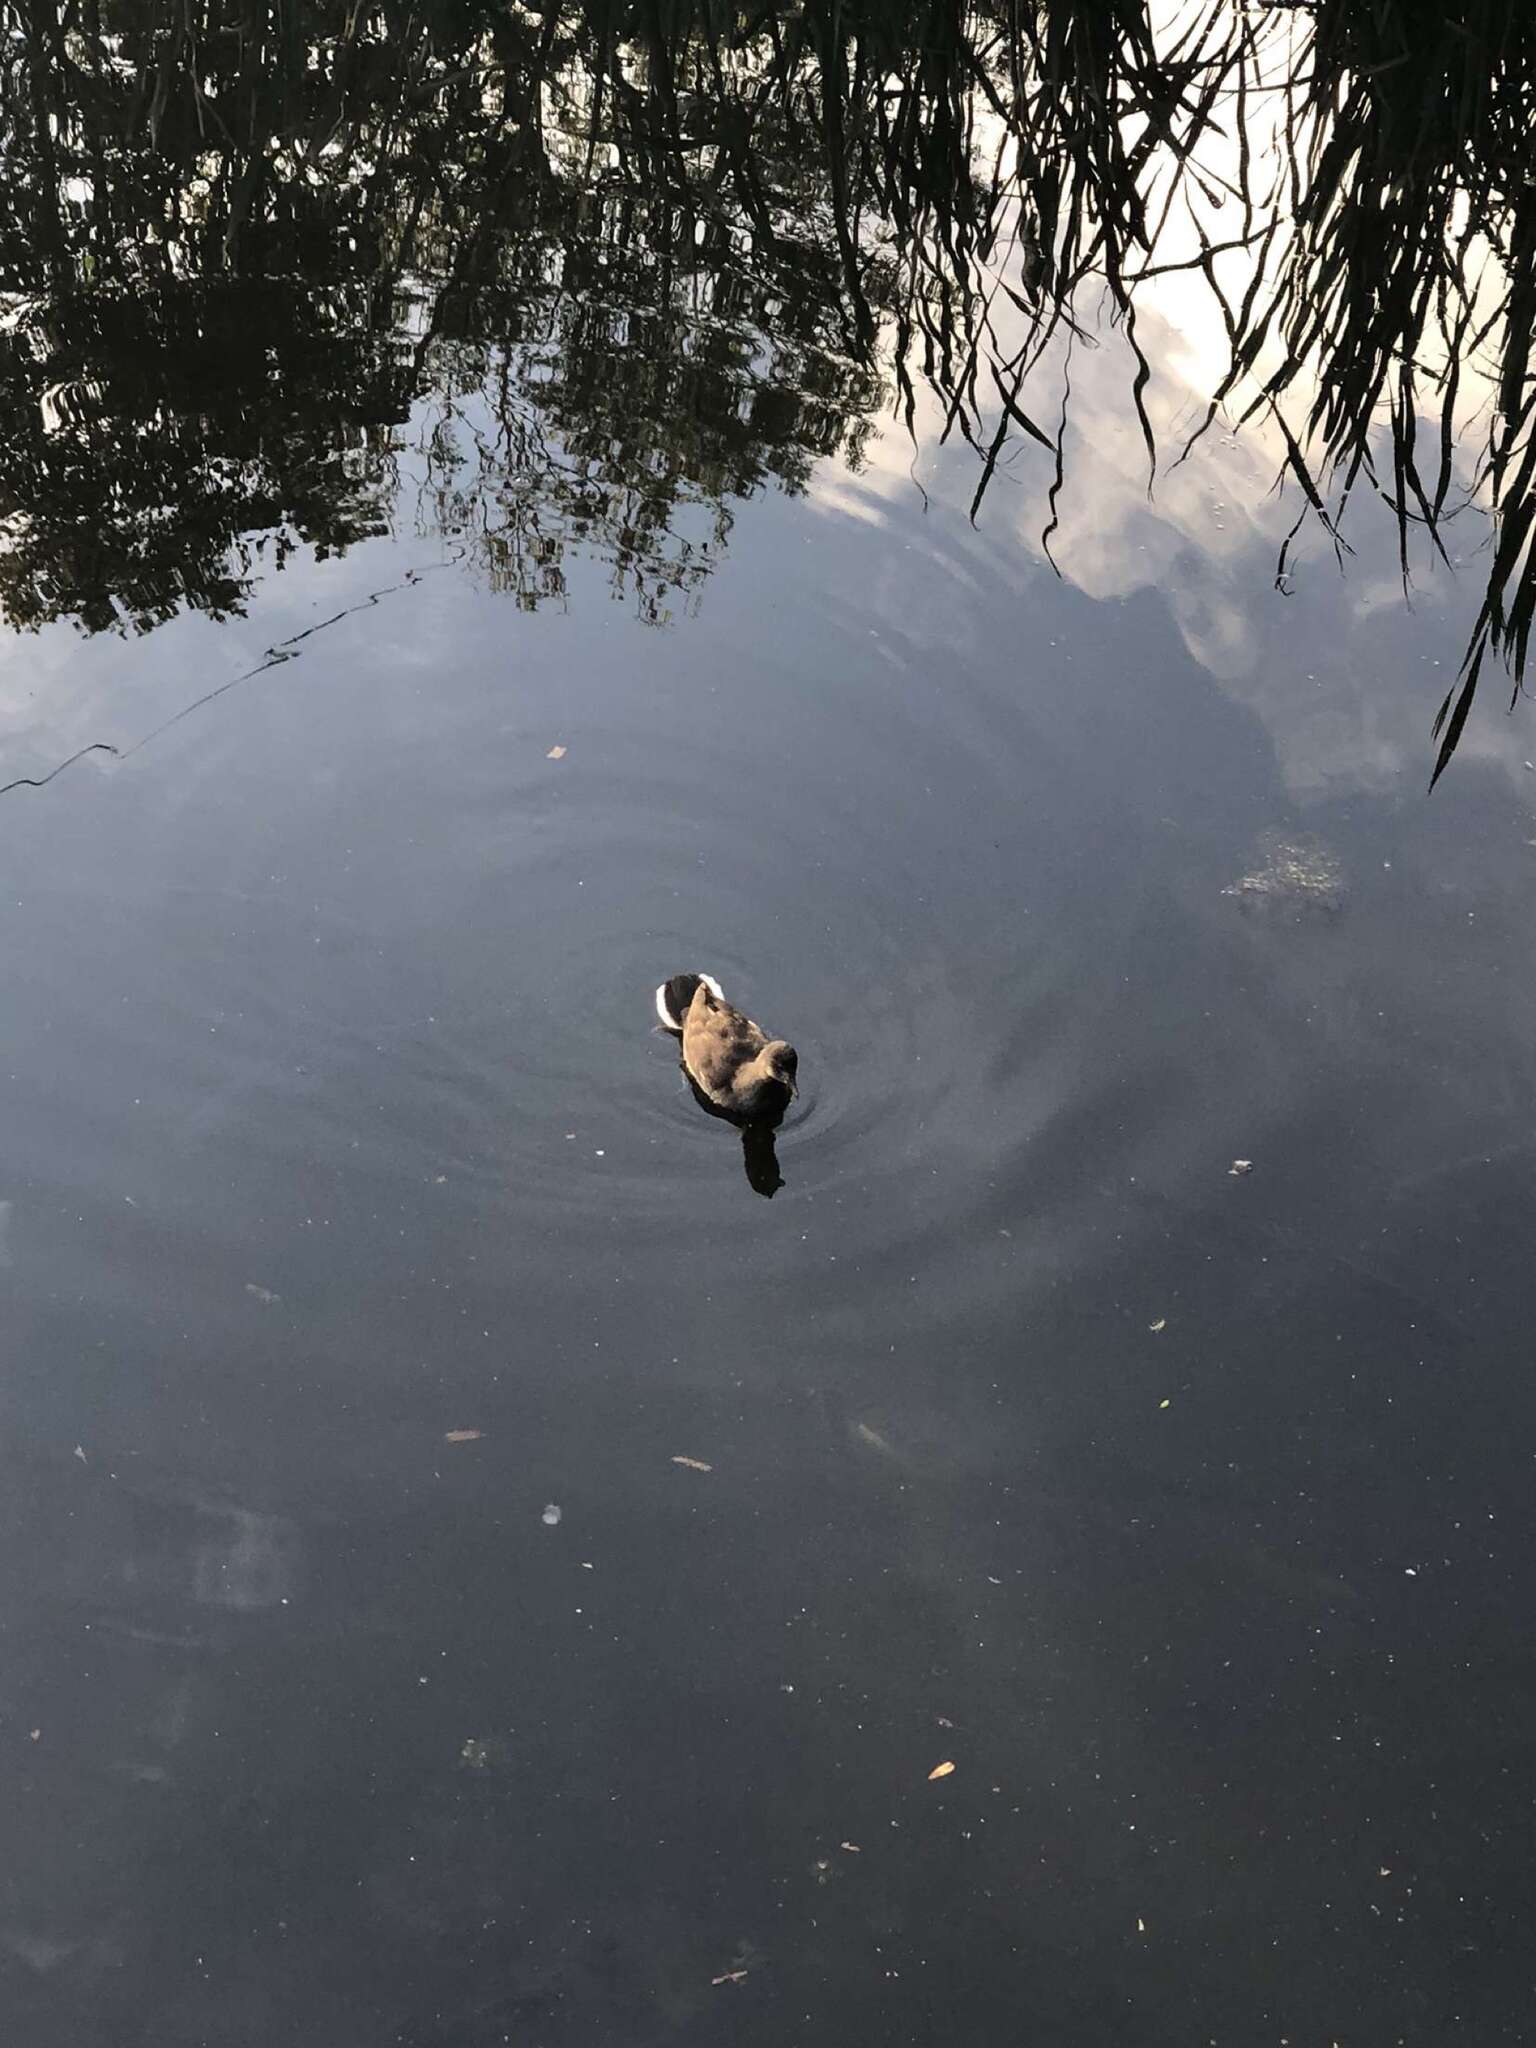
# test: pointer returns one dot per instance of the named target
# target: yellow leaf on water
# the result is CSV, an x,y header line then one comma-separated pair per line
x,y
940,1771
693,1464
462,1436
555,754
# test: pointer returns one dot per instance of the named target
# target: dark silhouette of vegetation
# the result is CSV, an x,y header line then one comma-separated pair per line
x,y
277,273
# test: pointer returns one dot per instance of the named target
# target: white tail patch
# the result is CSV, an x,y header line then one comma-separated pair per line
x,y
676,1023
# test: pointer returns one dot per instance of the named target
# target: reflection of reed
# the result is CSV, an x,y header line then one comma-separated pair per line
x,y
644,271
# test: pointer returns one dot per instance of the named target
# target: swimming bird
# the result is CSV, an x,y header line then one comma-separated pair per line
x,y
732,1061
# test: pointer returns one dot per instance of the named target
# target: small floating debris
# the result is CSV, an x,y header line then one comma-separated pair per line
x,y
79,1453
1294,875
462,1436
944,1770
551,1516
262,1294
731,1977
693,1464
1238,1168
1160,1324
555,754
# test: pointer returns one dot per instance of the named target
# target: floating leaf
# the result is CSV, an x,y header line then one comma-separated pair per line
x,y
555,754
852,1848
943,1770
462,1436
1165,1404
693,1464
1160,1324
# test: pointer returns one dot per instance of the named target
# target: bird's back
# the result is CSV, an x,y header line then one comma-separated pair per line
x,y
718,1042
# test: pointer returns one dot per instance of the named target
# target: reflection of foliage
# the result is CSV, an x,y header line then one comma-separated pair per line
x,y
240,248
624,266
1414,252
148,457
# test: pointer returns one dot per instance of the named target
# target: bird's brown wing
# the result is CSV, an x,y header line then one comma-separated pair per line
x,y
718,1041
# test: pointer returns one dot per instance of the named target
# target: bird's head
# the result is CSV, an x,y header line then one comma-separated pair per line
x,y
782,1063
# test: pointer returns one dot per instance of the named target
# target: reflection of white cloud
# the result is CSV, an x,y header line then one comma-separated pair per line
x,y
1344,674
846,495
1208,538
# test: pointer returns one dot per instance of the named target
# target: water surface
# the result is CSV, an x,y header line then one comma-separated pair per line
x,y
357,1215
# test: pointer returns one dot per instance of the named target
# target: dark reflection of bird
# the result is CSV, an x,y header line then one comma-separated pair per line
x,y
735,1069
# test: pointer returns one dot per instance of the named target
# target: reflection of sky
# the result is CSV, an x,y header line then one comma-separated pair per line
x,y
1344,673
336,1121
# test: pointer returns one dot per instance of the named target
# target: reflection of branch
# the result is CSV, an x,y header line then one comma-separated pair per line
x,y
42,781
280,652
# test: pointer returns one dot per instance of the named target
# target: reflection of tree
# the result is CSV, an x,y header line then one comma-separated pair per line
x,y
149,455
240,246
622,266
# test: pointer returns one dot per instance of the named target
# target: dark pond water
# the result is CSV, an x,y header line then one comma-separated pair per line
x,y
357,1218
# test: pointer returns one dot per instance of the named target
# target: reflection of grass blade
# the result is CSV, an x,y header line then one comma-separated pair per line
x,y
1447,729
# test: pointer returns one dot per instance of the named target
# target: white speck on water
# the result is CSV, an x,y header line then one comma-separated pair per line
x,y
551,1516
